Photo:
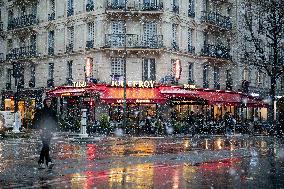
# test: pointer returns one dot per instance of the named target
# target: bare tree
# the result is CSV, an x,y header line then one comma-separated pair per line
x,y
262,40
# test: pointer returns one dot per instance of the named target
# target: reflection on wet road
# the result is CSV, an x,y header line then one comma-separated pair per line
x,y
216,162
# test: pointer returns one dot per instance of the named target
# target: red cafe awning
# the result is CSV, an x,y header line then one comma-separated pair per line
x,y
221,97
133,95
66,91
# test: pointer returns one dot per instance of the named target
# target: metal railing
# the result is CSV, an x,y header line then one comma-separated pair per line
x,y
69,47
70,12
2,57
22,21
134,6
90,44
217,19
50,83
1,27
51,16
191,13
89,7
50,50
216,51
22,52
133,41
175,46
191,49
176,9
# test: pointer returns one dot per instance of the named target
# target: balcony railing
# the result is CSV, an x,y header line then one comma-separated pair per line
x,y
191,13
217,19
205,84
1,27
69,81
152,6
50,50
51,16
22,21
216,51
8,86
191,49
175,46
22,52
1,57
90,44
69,47
90,7
50,83
70,12
133,41
176,9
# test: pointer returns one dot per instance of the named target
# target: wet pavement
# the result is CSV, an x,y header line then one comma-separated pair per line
x,y
145,162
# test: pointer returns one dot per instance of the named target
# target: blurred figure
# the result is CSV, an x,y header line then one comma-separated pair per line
x,y
46,121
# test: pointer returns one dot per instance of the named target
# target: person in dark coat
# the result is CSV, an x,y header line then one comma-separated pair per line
x,y
46,121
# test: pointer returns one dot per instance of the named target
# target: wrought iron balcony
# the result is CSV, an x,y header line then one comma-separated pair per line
x,y
51,16
217,85
191,13
216,51
191,49
50,83
176,9
70,12
22,53
69,81
133,41
90,7
8,86
1,57
175,46
32,83
22,21
217,19
69,47
90,44
1,27
133,6
50,50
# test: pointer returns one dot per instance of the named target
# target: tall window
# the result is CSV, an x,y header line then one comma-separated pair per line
x,y
91,31
32,80
51,42
229,80
150,34
70,7
9,45
174,37
282,83
205,76
191,8
90,5
190,73
246,74
258,78
9,76
149,69
189,41
69,69
216,77
70,38
117,65
51,71
117,29
176,6
51,15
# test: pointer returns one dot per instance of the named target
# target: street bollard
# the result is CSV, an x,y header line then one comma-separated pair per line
x,y
83,129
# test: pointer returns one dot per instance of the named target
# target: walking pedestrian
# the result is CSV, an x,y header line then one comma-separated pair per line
x,y
46,121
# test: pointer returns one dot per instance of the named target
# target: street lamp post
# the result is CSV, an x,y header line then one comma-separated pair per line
x,y
124,72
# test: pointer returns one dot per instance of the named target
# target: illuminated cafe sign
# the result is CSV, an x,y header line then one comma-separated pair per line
x,y
136,101
139,84
189,86
79,84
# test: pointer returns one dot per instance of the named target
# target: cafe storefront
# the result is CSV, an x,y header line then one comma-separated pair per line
x,y
146,99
